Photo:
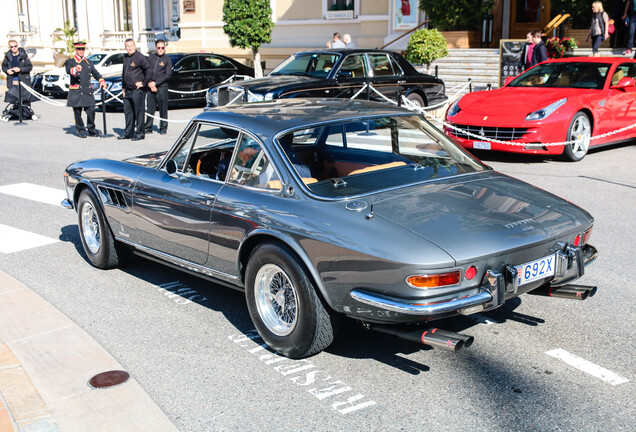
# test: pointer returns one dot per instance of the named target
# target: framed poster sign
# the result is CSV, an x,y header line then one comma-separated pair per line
x,y
405,14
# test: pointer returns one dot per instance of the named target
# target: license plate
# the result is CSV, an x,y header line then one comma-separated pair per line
x,y
481,145
98,96
48,85
535,270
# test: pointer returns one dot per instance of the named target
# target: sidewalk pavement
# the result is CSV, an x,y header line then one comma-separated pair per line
x,y
46,361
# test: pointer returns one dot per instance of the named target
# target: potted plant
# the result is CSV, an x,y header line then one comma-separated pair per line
x,y
426,46
557,46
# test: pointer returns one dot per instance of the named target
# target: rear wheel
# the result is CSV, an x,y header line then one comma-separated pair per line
x,y
283,303
416,100
97,238
579,135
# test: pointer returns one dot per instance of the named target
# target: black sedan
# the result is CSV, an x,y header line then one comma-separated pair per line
x,y
191,75
339,73
323,209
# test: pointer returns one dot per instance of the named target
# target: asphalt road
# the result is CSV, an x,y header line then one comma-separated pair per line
x,y
191,344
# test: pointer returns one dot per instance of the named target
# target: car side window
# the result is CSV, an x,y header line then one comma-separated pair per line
x,y
187,64
381,65
622,71
397,70
252,167
355,65
206,150
116,59
214,62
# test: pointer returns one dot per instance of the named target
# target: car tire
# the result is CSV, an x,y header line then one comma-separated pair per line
x,y
579,131
416,100
97,238
284,305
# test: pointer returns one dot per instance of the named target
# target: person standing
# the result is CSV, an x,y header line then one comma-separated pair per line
x,y
335,41
599,27
17,65
629,16
133,81
346,39
80,93
528,49
159,71
540,51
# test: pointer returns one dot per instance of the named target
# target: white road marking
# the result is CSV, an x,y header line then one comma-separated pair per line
x,y
15,240
35,192
588,367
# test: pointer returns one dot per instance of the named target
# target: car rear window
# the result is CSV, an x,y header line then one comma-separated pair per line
x,y
354,157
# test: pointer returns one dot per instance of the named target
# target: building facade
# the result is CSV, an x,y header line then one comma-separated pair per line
x,y
299,24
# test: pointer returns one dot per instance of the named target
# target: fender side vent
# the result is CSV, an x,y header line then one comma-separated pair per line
x,y
113,197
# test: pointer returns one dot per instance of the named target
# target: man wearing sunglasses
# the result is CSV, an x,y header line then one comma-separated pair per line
x,y
159,71
16,65
80,93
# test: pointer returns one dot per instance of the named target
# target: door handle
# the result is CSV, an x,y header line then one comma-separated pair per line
x,y
207,196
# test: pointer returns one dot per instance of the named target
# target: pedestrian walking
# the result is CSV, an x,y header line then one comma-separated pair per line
x,y
599,27
133,80
528,49
629,16
160,70
346,39
540,51
80,93
17,65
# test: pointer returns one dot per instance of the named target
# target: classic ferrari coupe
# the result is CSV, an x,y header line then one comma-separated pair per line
x,y
559,107
319,209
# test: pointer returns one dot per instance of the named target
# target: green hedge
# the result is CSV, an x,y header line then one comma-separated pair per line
x,y
426,46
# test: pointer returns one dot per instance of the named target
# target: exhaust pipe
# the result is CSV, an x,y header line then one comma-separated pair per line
x,y
434,337
576,292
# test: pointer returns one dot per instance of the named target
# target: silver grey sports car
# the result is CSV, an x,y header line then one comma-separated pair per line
x,y
320,209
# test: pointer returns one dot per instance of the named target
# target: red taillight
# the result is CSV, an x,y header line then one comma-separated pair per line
x,y
587,236
577,240
432,281
471,272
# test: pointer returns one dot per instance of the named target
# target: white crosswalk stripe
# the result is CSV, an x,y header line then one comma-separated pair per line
x,y
35,192
15,240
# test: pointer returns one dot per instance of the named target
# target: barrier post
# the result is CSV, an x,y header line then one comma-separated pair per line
x,y
20,97
105,134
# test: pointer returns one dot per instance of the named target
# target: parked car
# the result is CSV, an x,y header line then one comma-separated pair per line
x,y
571,99
190,73
338,73
56,81
324,209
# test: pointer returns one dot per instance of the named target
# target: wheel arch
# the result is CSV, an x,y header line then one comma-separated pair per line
x,y
589,115
261,237
420,92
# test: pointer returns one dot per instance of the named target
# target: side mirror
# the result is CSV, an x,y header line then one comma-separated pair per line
x,y
624,83
345,74
508,80
171,168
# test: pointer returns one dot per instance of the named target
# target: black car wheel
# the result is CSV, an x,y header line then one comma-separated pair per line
x,y
97,238
416,100
579,132
284,305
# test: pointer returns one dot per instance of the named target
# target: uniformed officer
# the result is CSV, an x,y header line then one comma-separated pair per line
x,y
133,80
80,94
159,71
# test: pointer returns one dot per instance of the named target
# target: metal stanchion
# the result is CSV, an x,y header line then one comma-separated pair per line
x,y
470,85
105,134
20,99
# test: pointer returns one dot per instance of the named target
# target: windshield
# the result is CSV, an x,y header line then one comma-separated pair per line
x,y
308,64
362,156
564,75
96,58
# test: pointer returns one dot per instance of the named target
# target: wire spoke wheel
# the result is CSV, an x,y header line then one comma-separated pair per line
x,y
276,299
90,228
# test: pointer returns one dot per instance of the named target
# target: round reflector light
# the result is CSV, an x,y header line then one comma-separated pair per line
x,y
471,272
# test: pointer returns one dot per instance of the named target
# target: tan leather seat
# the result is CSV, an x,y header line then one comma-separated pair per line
x,y
618,75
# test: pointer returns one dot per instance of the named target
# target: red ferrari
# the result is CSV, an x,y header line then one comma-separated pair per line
x,y
557,107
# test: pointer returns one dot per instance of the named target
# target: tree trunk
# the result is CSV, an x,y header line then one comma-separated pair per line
x,y
258,71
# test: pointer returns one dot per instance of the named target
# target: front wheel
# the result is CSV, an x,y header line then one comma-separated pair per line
x,y
283,303
416,100
579,136
97,239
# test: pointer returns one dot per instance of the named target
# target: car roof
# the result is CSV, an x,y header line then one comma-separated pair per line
x,y
266,119
347,51
592,60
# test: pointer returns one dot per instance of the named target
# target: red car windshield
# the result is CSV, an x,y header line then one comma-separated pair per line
x,y
564,75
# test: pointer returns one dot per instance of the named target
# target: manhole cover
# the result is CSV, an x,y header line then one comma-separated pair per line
x,y
109,379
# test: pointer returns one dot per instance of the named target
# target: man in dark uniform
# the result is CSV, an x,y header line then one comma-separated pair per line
x,y
133,80
160,70
16,65
80,94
